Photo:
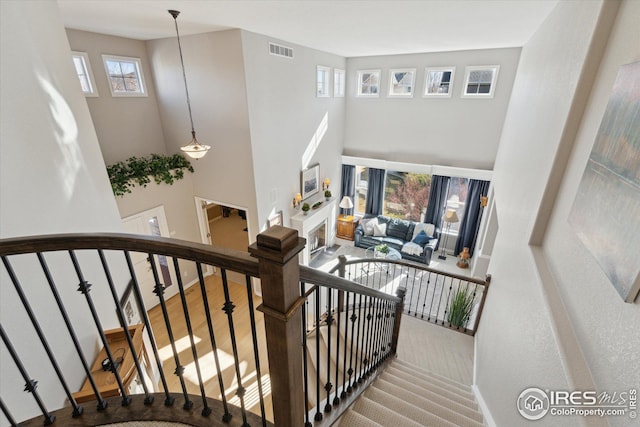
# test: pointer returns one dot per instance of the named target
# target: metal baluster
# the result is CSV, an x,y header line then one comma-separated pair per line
x,y
359,343
446,307
411,294
226,417
475,290
328,385
338,311
30,384
379,324
7,414
433,296
168,399
228,309
419,291
148,400
440,300
256,355
77,410
305,367
102,404
364,357
389,331
316,296
352,318
346,341
206,411
85,288
179,371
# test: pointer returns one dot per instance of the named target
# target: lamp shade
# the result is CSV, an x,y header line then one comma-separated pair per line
x,y
451,217
346,203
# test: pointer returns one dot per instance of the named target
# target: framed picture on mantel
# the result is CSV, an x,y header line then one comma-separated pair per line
x,y
310,181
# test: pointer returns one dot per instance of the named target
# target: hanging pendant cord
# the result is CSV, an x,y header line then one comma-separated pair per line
x,y
175,14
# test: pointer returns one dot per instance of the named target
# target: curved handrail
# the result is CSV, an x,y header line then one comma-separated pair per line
x,y
232,259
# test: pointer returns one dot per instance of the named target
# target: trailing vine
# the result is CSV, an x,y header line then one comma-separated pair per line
x,y
140,170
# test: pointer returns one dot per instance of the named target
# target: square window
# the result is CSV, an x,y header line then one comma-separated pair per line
x,y
85,75
338,83
438,81
322,81
124,75
480,81
401,83
369,83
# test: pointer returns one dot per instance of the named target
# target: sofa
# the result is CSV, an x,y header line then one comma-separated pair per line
x,y
415,241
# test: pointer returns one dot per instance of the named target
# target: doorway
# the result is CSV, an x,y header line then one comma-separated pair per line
x,y
152,222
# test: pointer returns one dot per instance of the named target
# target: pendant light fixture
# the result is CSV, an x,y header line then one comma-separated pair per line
x,y
194,149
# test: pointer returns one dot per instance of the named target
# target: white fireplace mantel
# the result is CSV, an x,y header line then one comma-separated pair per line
x,y
328,212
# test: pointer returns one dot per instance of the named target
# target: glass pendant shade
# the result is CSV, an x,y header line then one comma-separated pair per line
x,y
194,149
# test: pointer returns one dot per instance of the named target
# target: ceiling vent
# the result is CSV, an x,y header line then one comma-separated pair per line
x,y
279,50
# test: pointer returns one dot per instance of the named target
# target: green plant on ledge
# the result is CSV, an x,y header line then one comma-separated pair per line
x,y
140,170
460,308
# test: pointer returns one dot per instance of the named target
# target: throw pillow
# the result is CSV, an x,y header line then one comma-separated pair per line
x,y
367,226
429,229
379,230
421,238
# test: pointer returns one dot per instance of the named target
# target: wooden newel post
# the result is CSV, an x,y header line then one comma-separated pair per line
x,y
277,250
400,292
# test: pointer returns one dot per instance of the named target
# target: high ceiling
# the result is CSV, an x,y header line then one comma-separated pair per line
x,y
345,27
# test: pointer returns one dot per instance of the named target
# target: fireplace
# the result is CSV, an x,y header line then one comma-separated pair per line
x,y
317,240
318,227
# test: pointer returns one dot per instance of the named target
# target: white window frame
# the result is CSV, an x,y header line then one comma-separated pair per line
x,y
339,83
427,73
88,73
468,70
392,93
140,75
323,85
361,74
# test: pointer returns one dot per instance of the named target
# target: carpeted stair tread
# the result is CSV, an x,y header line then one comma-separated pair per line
x,y
419,389
429,416
427,397
430,382
413,369
383,416
352,418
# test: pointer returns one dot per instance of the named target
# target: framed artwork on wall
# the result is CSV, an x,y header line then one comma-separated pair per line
x,y
402,82
130,307
369,83
310,181
606,209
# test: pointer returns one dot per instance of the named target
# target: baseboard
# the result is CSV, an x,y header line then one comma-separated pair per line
x,y
488,419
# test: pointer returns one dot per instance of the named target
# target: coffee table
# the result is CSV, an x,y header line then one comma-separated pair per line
x,y
371,252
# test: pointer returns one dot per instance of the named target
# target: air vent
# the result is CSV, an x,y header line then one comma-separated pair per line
x,y
279,50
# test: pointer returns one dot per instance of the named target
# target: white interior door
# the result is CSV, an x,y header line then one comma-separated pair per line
x,y
152,222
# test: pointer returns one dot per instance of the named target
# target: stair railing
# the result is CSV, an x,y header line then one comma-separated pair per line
x,y
65,291
446,299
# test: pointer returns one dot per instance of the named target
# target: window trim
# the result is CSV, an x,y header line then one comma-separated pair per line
x,y
138,65
467,74
93,93
427,70
326,93
391,93
359,93
339,82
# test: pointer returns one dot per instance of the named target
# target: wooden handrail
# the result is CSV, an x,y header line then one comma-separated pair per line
x,y
232,259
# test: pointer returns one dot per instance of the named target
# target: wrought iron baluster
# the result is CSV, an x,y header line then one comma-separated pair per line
x,y
228,308
346,342
316,296
7,414
475,290
148,400
77,410
329,320
353,319
30,384
364,356
419,292
256,355
446,307
206,411
179,371
168,399
226,417
85,288
338,311
305,365
433,296
359,343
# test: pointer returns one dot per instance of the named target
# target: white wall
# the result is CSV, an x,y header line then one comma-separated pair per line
x,y
215,76
291,128
126,126
52,180
452,131
526,337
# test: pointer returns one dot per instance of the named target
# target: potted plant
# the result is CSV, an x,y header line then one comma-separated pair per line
x,y
327,195
305,208
460,307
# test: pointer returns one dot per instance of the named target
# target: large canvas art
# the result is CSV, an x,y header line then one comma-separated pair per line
x,y
606,210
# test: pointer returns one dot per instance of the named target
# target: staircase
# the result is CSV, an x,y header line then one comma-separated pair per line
x,y
405,395
402,395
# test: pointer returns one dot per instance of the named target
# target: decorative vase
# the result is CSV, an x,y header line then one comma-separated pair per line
x,y
463,258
